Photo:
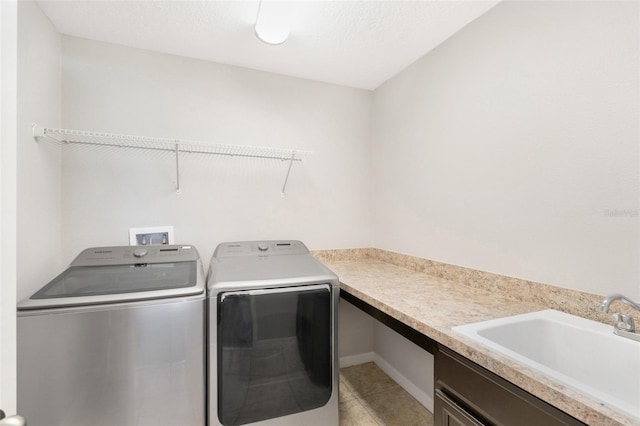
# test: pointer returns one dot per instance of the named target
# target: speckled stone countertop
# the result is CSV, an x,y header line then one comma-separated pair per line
x,y
432,298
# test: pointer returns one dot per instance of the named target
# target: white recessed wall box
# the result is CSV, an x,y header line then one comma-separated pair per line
x,y
155,235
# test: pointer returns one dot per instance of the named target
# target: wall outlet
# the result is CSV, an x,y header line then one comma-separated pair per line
x,y
155,235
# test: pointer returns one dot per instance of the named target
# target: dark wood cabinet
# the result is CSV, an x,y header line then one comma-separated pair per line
x,y
469,395
448,413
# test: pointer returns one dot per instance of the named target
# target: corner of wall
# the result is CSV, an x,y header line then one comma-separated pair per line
x,y
39,205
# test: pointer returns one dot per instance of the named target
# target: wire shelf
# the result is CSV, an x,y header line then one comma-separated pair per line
x,y
174,146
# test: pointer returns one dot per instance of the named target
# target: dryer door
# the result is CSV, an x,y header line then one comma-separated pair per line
x,y
274,352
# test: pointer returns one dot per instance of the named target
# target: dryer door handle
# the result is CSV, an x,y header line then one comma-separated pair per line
x,y
261,291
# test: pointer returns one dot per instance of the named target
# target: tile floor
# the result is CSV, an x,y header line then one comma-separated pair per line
x,y
370,397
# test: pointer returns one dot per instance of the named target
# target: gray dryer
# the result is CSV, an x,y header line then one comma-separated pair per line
x,y
272,336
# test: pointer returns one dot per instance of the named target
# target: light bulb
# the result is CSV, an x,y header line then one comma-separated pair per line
x,y
272,23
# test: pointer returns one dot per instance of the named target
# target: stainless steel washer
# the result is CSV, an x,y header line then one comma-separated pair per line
x,y
116,339
272,336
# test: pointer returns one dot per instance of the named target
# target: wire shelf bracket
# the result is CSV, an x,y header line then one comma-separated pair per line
x,y
175,146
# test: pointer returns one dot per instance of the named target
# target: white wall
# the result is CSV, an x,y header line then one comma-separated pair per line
x,y
117,89
363,339
8,154
513,147
407,363
355,335
39,174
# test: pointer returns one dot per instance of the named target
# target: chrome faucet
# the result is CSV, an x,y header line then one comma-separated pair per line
x,y
604,307
625,325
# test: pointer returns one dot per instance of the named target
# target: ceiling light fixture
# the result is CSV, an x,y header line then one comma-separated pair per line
x,y
272,23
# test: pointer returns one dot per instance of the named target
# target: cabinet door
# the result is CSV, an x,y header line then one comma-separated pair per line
x,y
448,413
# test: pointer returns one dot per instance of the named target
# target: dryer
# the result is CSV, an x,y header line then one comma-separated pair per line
x,y
272,336
116,339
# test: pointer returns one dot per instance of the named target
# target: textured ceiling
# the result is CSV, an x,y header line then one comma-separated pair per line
x,y
353,43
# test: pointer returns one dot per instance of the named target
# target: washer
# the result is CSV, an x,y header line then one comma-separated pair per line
x,y
116,339
272,336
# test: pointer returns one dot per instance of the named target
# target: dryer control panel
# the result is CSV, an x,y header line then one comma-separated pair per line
x,y
260,248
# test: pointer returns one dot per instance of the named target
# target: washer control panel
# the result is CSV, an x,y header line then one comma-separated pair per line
x,y
126,255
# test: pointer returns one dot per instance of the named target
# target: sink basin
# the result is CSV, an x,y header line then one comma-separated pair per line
x,y
580,353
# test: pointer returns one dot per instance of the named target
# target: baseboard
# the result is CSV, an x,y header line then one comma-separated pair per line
x,y
348,361
420,395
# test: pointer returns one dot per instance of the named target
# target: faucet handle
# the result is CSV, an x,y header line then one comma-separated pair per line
x,y
624,322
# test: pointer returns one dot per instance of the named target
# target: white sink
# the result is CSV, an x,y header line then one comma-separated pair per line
x,y
577,352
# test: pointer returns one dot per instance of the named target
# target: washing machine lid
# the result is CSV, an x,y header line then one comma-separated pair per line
x,y
119,274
